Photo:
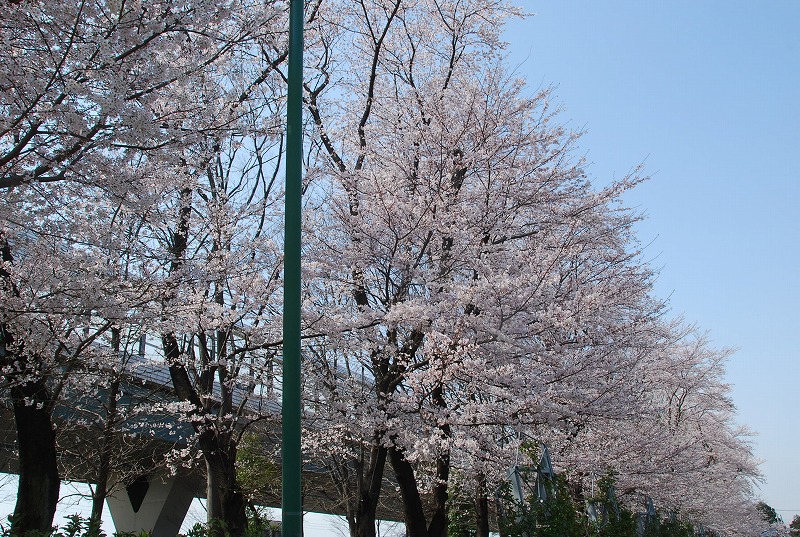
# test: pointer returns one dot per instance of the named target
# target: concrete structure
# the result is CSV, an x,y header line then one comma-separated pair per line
x,y
153,503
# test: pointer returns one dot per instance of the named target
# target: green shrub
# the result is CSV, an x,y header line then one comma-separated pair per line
x,y
76,526
558,516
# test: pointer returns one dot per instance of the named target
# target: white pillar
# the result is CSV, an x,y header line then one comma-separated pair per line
x,y
153,503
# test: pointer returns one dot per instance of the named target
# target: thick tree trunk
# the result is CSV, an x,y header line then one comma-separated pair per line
x,y
361,517
39,484
438,523
481,509
363,521
416,525
414,511
363,512
226,503
439,518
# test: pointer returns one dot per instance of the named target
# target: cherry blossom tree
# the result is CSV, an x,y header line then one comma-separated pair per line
x,y
112,99
209,288
474,281
89,85
673,440
705,467
470,283
217,235
64,292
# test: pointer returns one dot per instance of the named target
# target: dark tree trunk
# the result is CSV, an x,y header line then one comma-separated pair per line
x,y
481,509
439,519
364,519
438,524
414,511
226,503
363,511
39,483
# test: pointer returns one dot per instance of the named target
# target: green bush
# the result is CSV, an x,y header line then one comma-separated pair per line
x,y
256,527
76,526
561,516
558,516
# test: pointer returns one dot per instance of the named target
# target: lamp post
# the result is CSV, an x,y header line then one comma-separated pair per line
x,y
291,458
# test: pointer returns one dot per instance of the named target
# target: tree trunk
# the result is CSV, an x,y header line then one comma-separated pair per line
x,y
39,484
416,525
362,516
439,519
226,503
414,511
481,509
363,524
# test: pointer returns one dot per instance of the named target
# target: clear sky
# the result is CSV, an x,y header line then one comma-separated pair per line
x,y
705,93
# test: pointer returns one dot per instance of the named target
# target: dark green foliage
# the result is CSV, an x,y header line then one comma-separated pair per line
x,y
794,527
622,526
257,527
613,520
559,516
618,521
76,526
768,514
674,528
604,504
460,523
256,471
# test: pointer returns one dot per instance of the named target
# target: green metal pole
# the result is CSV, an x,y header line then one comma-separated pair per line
x,y
292,508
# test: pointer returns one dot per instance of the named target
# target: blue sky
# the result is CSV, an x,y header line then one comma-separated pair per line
x,y
706,95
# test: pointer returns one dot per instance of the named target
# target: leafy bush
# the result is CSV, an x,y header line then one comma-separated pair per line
x,y
76,526
558,516
561,516
256,527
